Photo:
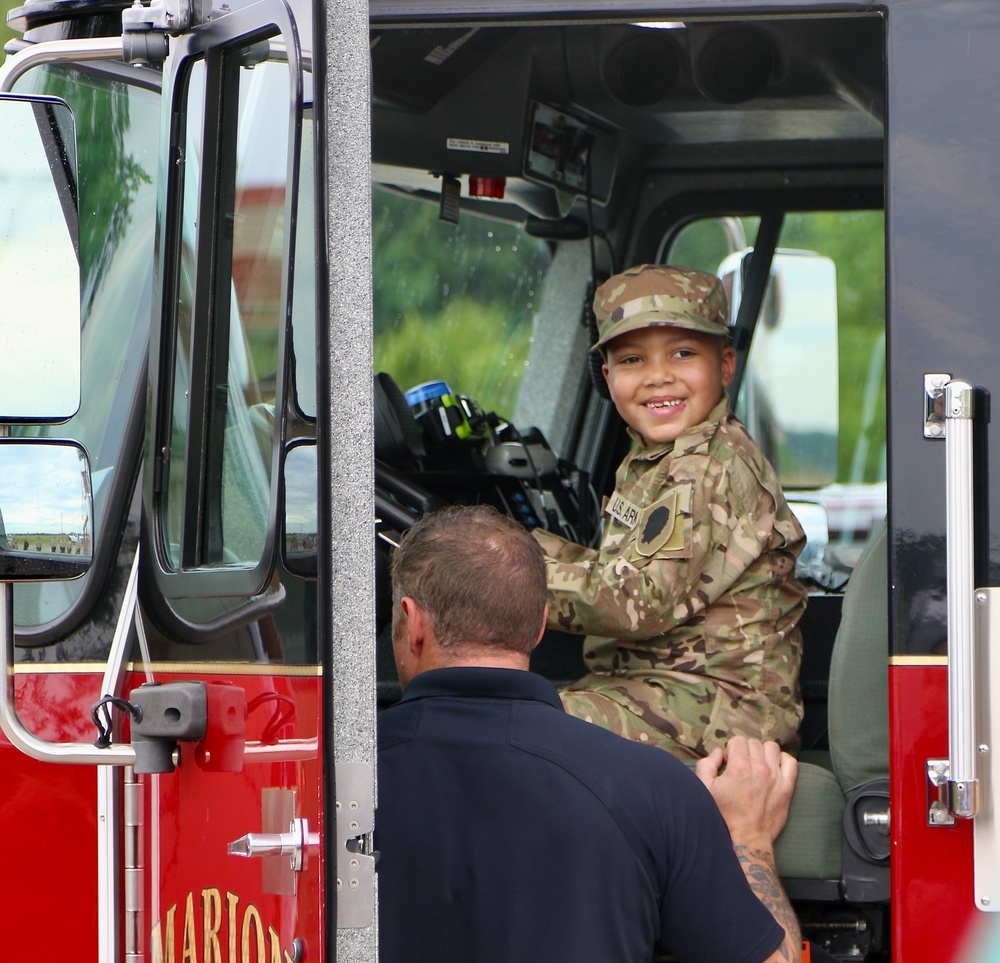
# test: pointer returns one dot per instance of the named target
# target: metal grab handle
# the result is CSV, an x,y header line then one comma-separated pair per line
x,y
57,51
80,753
963,785
294,844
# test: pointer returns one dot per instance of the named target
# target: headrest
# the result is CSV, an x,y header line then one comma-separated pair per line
x,y
398,439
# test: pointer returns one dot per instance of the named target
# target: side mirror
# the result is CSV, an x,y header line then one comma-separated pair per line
x,y
46,510
39,262
300,512
814,563
798,319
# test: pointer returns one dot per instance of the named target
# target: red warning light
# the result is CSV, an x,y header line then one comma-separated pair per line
x,y
487,186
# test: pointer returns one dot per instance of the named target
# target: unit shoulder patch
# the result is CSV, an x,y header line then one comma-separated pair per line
x,y
661,526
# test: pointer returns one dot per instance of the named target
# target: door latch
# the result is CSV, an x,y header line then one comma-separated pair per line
x,y
295,844
938,774
355,807
935,422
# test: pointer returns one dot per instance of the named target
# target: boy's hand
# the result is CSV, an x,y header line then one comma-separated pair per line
x,y
752,784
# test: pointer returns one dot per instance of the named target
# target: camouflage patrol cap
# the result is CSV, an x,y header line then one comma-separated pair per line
x,y
648,295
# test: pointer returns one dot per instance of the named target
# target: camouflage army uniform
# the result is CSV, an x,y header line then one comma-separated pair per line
x,y
690,605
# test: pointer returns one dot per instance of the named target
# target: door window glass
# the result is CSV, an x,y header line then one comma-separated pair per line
x,y
813,395
117,149
231,271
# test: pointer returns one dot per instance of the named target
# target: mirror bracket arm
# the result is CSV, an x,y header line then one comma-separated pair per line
x,y
56,51
79,753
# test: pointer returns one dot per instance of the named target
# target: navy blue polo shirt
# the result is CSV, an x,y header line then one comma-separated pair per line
x,y
512,832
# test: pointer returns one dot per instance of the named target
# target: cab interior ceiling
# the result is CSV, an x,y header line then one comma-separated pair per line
x,y
767,94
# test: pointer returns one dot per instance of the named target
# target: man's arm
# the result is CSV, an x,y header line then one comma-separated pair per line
x,y
753,793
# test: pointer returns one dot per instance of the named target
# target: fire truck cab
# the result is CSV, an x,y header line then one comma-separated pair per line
x,y
281,276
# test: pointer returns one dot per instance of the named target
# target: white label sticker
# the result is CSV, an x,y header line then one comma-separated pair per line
x,y
479,146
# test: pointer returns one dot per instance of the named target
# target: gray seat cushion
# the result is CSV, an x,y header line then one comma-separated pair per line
x,y
809,845
859,672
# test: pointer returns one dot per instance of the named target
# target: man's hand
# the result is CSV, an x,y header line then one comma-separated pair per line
x,y
752,783
753,790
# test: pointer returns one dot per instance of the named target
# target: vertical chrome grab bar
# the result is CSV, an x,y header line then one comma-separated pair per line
x,y
963,784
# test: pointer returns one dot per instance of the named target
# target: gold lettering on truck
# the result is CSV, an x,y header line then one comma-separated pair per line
x,y
252,918
242,933
189,953
211,911
162,947
233,902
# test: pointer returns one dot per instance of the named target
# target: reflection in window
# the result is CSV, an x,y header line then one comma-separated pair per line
x,y
257,276
194,122
854,243
229,316
304,279
117,148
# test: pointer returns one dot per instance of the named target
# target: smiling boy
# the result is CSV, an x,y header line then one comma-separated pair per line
x,y
690,606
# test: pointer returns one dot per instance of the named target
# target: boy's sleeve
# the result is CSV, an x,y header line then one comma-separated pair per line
x,y
557,548
625,594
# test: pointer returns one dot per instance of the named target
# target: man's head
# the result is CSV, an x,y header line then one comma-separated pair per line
x,y
663,336
468,588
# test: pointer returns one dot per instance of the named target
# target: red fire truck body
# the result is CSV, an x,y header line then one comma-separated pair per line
x,y
236,215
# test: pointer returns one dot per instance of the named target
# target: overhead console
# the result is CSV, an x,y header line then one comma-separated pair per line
x,y
484,113
466,118
570,152
524,115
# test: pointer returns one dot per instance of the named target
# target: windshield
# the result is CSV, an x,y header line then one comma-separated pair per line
x,y
454,302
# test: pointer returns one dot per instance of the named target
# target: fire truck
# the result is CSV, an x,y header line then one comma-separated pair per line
x,y
278,277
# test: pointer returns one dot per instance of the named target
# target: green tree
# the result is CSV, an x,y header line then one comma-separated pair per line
x,y
453,302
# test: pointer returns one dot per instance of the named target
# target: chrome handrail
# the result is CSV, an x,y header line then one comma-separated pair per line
x,y
80,753
963,784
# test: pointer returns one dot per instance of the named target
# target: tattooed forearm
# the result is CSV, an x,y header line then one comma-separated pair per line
x,y
758,865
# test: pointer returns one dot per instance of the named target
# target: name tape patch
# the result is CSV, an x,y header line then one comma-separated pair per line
x,y
623,511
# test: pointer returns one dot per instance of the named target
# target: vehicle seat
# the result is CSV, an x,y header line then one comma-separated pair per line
x,y
825,851
398,439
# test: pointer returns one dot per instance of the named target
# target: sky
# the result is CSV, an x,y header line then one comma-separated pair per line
x,y
42,488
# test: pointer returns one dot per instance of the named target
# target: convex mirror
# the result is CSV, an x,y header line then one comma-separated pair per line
x,y
792,409
300,515
46,510
39,262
